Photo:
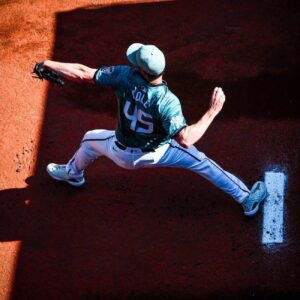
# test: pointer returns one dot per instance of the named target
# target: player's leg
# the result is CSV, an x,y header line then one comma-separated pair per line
x,y
196,161
95,143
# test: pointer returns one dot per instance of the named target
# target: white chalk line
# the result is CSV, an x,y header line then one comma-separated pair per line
x,y
273,222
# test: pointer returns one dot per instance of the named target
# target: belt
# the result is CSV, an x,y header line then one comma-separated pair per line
x,y
122,147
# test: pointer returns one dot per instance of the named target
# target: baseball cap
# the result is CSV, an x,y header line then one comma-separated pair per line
x,y
148,57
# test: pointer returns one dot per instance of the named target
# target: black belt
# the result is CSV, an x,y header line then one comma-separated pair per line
x,y
122,147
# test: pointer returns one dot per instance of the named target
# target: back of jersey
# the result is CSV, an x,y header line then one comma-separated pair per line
x,y
148,115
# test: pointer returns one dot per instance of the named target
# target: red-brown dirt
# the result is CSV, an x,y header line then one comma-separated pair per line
x,y
147,234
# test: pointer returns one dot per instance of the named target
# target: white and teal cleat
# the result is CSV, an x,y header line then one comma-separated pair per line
x,y
257,195
60,173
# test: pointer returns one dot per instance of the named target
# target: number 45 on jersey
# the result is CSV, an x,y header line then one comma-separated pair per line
x,y
139,119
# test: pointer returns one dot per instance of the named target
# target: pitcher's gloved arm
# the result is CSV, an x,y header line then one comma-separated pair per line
x,y
71,71
191,134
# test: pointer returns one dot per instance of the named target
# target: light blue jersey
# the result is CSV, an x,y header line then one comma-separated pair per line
x,y
148,115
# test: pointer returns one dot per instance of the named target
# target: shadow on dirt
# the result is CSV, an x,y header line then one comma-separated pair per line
x,y
101,240
102,36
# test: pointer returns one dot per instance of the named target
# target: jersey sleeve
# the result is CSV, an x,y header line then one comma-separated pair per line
x,y
172,117
111,76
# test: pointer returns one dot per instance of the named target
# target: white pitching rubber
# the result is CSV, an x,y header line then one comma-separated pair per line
x,y
273,223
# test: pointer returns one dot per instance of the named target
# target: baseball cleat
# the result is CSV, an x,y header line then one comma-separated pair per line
x,y
257,195
59,172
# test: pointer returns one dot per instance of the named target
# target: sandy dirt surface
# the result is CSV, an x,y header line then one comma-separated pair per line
x,y
147,234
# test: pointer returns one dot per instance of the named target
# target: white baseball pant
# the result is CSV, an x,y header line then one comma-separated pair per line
x,y
101,142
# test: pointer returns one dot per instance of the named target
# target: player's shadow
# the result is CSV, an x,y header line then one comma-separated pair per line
x,y
102,241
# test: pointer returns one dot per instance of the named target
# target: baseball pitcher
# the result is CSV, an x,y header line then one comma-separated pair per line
x,y
151,129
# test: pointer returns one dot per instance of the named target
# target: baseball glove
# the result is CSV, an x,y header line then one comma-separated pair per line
x,y
47,74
